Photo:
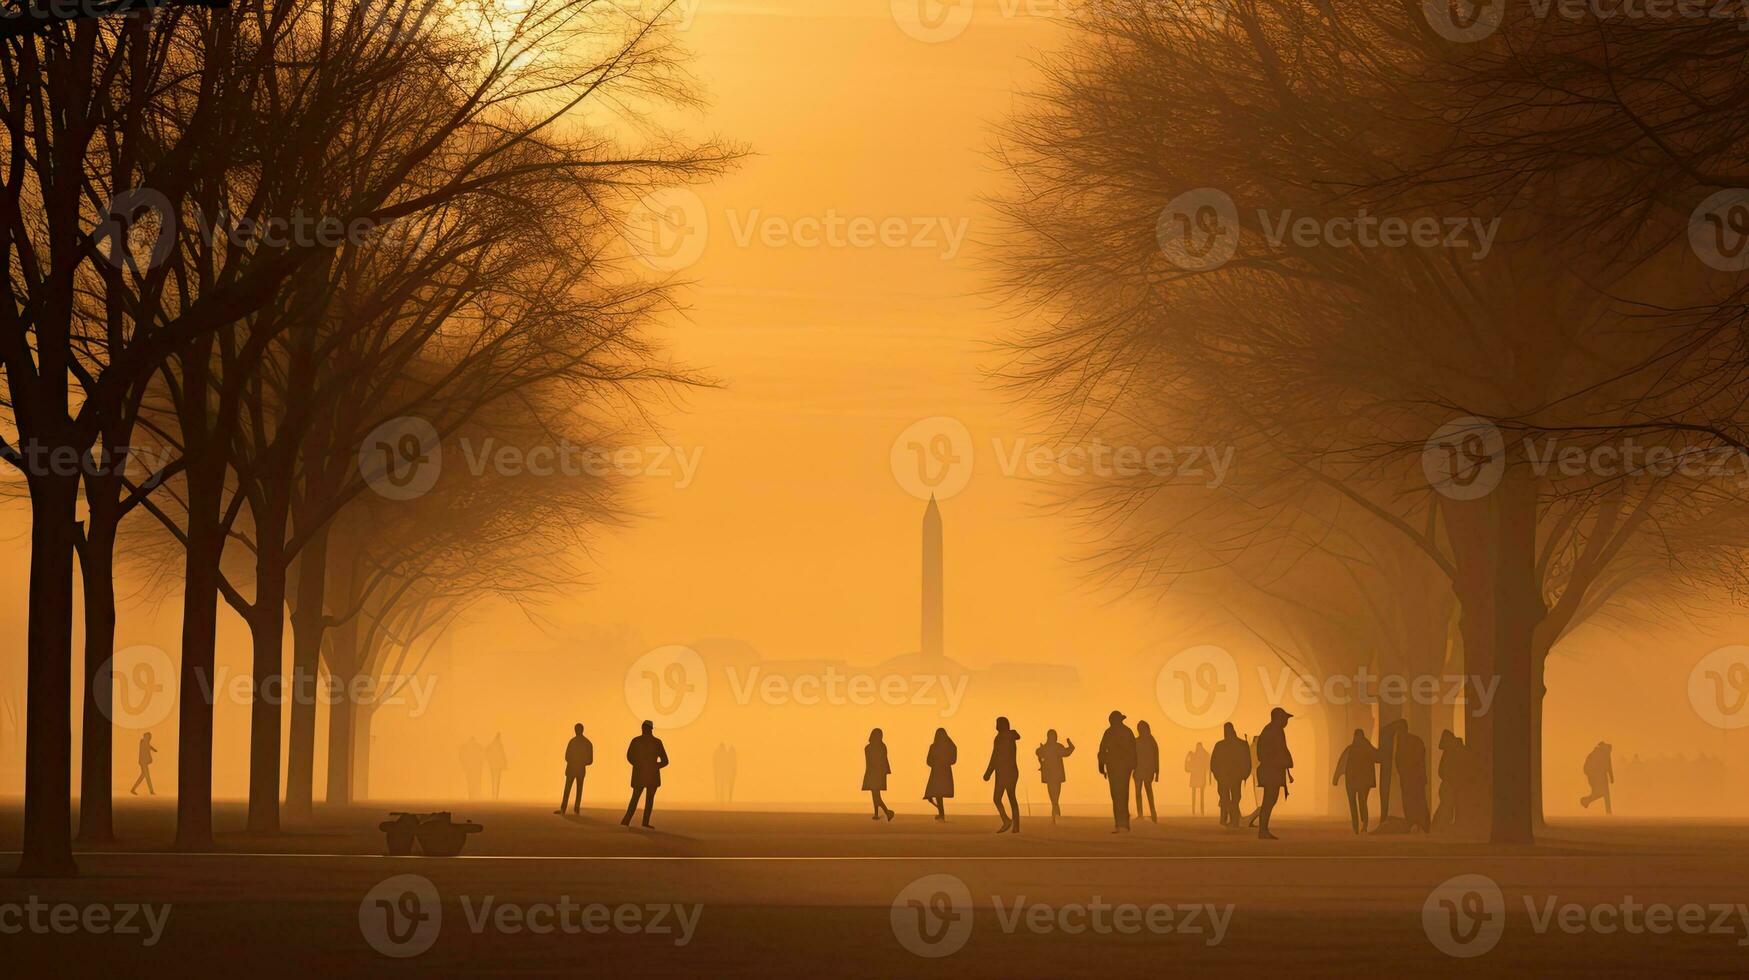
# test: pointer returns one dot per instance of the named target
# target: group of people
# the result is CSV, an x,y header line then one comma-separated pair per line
x,y
1129,761
647,755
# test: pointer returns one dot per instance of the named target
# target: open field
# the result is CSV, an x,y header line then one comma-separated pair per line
x,y
747,893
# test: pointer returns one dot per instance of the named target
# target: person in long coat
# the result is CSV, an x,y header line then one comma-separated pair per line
x,y
942,756
874,772
648,756
1050,768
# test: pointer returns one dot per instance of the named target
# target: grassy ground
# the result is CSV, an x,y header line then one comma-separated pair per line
x,y
777,894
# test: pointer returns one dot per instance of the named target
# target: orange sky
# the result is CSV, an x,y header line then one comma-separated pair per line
x,y
797,536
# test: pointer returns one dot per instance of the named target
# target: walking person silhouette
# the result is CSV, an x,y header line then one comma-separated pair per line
x,y
1359,765
648,758
1117,761
1599,772
579,756
1050,769
1147,768
1005,767
1231,764
1273,764
942,756
147,750
874,772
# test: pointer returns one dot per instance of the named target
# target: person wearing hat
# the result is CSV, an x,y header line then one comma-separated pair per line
x,y
1117,763
1273,763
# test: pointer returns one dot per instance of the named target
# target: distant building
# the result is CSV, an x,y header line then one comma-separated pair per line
x,y
932,647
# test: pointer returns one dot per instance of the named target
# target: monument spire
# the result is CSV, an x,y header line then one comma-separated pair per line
x,y
932,598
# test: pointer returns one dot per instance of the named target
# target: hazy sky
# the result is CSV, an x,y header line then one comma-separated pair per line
x,y
798,532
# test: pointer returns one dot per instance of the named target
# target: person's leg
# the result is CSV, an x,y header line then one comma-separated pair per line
x,y
1153,814
1365,795
632,807
1270,793
1014,806
649,804
577,802
996,794
1137,780
150,789
1056,791
134,790
1354,810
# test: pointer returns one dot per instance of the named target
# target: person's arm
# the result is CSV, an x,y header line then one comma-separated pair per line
x,y
1341,763
1103,753
1070,750
991,768
661,755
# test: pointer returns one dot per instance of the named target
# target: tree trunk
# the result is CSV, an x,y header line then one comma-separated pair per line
x,y
307,630
1538,690
200,608
340,751
97,744
1519,608
361,720
267,629
48,763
